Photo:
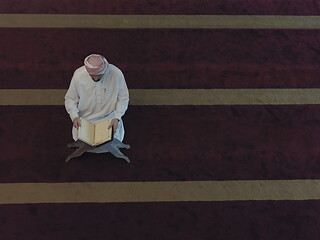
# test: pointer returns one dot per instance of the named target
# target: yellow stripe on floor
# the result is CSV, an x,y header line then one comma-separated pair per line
x,y
23,97
111,192
159,21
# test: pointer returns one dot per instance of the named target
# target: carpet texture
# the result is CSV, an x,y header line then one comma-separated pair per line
x,y
231,7
168,143
46,58
222,220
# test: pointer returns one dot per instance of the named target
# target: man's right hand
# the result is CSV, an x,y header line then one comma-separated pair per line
x,y
77,122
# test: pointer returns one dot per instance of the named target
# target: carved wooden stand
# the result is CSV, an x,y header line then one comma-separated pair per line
x,y
112,147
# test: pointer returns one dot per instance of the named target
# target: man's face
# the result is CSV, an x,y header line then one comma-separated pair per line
x,y
96,78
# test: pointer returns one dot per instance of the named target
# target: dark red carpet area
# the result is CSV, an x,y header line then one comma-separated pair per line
x,y
230,7
248,220
164,58
168,143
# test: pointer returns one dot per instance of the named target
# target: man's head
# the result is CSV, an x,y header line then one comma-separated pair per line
x,y
96,66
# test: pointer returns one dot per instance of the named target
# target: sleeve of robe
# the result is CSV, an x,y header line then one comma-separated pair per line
x,y
72,100
122,99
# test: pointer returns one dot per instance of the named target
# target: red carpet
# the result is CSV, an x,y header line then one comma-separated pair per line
x,y
168,143
165,58
219,220
237,7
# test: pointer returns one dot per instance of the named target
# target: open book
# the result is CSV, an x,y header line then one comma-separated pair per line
x,y
95,131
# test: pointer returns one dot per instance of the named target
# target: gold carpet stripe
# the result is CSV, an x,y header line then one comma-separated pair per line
x,y
158,21
175,96
112,192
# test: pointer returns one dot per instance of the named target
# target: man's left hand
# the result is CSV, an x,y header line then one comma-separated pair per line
x,y
114,124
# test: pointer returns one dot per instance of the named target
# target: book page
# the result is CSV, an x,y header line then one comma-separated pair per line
x,y
86,132
102,133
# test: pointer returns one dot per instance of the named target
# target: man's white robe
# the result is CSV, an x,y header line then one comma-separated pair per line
x,y
88,99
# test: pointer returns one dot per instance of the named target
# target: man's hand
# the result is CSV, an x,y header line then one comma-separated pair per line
x,y
76,122
114,124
